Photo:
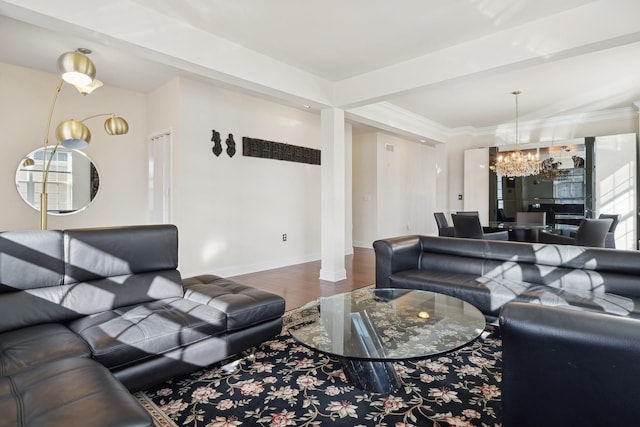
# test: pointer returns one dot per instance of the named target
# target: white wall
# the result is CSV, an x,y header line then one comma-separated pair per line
x,y
232,212
616,191
476,182
26,98
348,193
365,189
394,191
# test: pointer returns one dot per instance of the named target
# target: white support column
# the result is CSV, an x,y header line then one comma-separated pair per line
x,y
333,195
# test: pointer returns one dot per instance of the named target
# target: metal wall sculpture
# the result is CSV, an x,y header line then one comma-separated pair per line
x,y
217,145
231,145
253,147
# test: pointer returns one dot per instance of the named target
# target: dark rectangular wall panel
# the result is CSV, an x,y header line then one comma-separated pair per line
x,y
253,147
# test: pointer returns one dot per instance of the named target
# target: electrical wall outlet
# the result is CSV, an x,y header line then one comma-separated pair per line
x,y
284,237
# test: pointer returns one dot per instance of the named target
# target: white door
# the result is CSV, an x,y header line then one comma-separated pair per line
x,y
160,178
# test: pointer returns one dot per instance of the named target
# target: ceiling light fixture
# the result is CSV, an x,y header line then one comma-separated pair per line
x,y
516,163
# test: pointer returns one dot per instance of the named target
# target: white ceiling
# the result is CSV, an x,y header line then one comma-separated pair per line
x,y
451,62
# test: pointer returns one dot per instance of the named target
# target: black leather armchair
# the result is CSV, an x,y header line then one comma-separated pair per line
x,y
567,367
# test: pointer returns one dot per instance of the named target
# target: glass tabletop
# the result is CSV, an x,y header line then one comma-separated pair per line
x,y
518,226
389,324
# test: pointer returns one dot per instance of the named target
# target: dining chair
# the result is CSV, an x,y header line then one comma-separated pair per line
x,y
473,213
444,229
610,240
591,232
468,226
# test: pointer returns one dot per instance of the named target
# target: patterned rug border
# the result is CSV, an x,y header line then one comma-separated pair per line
x,y
160,419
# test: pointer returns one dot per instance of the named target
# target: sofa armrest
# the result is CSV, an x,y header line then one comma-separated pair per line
x,y
568,367
395,254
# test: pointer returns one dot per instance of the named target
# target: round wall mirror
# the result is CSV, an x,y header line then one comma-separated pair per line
x,y
72,184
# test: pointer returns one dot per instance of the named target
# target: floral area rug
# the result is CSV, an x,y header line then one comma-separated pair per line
x,y
282,383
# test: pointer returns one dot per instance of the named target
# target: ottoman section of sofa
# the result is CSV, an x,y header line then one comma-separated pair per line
x,y
67,391
243,305
130,335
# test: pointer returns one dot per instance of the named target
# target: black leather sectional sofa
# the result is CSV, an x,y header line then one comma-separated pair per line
x,y
87,316
569,318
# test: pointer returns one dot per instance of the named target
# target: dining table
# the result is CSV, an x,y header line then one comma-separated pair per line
x,y
522,232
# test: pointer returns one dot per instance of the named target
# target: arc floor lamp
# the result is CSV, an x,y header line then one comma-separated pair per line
x,y
78,70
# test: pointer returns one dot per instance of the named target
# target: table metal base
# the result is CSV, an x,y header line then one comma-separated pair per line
x,y
377,377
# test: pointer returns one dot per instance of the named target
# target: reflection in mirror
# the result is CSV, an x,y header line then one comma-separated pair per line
x,y
559,189
72,184
583,177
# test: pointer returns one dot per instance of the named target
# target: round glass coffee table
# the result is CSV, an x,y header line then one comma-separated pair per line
x,y
369,329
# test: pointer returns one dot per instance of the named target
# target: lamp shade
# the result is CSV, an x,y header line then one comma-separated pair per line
x,y
73,134
116,126
87,89
76,68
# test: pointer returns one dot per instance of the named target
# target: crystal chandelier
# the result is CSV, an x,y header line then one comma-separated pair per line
x,y
517,163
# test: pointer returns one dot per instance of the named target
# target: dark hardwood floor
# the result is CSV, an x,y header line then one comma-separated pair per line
x,y
299,284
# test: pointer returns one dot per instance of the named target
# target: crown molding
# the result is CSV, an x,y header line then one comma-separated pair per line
x,y
392,118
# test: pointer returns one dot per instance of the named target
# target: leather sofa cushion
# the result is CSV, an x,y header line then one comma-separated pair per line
x,y
244,306
98,253
542,274
23,348
128,335
53,394
581,299
30,259
555,265
488,297
489,294
68,302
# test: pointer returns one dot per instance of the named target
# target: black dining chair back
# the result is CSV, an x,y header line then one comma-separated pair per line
x,y
610,240
472,213
444,229
468,226
592,233
441,219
